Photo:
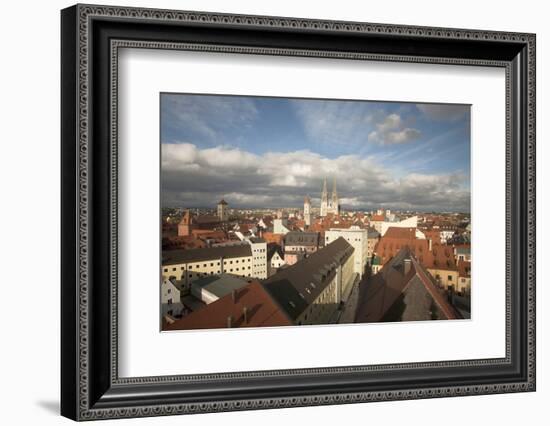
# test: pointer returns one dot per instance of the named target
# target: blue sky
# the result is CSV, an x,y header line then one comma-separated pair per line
x,y
261,151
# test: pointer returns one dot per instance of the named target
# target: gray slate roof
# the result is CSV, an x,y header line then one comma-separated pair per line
x,y
175,257
297,286
297,238
220,285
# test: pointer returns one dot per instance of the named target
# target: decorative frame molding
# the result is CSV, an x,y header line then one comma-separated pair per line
x,y
91,37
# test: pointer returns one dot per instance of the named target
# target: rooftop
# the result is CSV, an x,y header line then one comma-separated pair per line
x,y
175,257
297,286
383,290
220,285
249,306
302,238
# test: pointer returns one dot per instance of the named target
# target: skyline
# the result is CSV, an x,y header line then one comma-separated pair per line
x,y
270,152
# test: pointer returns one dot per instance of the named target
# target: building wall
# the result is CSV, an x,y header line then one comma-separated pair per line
x,y
348,274
358,239
259,260
279,226
169,292
464,285
191,271
276,262
446,277
411,222
170,299
371,243
323,307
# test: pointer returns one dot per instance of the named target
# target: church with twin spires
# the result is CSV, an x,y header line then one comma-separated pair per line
x,y
329,205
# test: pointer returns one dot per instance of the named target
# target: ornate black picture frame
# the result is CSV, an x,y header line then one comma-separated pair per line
x,y
91,36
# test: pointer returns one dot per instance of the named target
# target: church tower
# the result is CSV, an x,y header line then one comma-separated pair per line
x,y
184,227
307,211
324,199
223,214
335,205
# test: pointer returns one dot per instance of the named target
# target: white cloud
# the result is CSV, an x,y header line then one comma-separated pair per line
x,y
391,130
199,177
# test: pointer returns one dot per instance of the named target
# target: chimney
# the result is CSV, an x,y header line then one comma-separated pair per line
x,y
234,295
429,244
245,314
406,266
229,321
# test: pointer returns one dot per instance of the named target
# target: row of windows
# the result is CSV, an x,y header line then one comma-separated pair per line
x,y
205,265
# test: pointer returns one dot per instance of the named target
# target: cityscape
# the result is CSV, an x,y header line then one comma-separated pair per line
x,y
290,212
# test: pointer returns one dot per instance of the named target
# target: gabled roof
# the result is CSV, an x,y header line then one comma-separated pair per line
x,y
220,285
297,286
383,290
302,238
273,248
249,306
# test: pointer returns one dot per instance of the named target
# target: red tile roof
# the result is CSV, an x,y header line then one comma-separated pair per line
x,y
261,311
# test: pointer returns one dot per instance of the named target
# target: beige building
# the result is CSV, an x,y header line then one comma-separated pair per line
x,y
310,291
259,257
190,265
358,239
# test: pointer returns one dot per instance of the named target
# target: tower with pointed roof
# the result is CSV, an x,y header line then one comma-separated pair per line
x,y
335,202
324,199
184,227
307,211
223,214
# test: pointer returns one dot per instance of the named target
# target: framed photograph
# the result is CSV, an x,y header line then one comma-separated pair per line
x,y
263,212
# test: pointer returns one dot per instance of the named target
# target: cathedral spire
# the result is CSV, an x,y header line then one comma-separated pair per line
x,y
324,199
334,193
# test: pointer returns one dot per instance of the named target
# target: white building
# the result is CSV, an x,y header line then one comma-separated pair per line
x,y
170,298
445,235
410,222
280,226
307,211
329,205
358,239
259,257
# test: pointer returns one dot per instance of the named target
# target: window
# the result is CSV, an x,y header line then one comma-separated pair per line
x,y
165,269
173,269
212,264
169,291
204,265
449,278
169,301
190,266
